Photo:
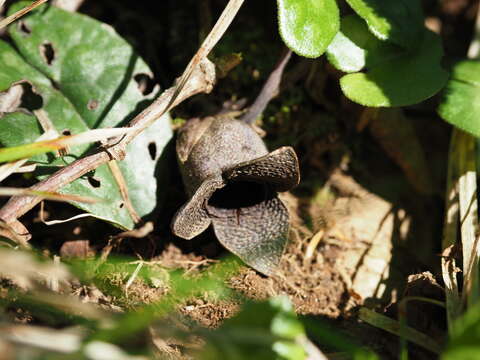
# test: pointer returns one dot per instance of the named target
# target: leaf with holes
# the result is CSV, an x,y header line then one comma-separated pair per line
x,y
308,26
460,106
78,74
392,75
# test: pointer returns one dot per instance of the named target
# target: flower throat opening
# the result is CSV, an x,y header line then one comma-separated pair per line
x,y
240,194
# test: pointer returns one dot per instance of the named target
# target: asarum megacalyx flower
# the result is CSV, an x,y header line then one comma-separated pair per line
x,y
233,181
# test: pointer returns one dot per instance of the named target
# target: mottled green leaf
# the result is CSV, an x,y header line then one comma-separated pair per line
x,y
87,77
308,26
461,103
399,21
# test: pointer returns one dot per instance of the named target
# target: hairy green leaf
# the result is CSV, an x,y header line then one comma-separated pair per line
x,y
355,48
399,21
392,76
461,103
308,26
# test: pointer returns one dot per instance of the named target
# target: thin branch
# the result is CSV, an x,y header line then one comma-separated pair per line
x,y
123,187
20,13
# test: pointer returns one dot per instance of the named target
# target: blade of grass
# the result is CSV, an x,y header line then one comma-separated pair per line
x,y
450,238
25,151
468,199
402,319
452,295
392,326
467,190
461,207
451,195
10,191
7,169
134,275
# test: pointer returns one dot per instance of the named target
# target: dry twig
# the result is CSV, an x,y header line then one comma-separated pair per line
x,y
20,13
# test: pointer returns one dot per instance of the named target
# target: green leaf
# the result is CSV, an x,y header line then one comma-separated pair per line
x,y
269,330
288,350
461,104
355,48
285,322
399,21
464,340
308,26
86,77
393,76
